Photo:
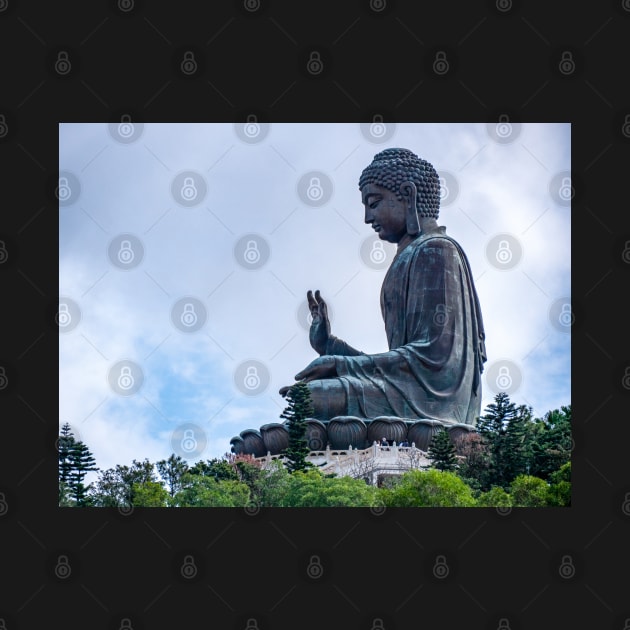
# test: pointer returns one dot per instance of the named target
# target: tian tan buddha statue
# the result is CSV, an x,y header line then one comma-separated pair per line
x,y
432,369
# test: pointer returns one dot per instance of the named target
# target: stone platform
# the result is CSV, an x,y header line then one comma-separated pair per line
x,y
346,432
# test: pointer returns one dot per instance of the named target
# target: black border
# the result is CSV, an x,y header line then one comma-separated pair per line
x,y
124,566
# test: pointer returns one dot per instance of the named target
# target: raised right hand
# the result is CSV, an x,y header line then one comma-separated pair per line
x,y
319,333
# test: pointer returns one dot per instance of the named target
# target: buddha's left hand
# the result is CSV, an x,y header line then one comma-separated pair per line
x,y
323,367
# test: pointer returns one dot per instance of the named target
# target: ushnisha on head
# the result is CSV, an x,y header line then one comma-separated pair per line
x,y
392,167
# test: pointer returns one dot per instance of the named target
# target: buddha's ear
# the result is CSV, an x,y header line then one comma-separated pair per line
x,y
410,193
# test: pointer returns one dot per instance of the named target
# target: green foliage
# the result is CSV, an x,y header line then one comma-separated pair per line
x,y
474,469
171,471
430,488
75,461
441,451
219,469
271,485
551,445
299,408
114,487
150,494
312,489
202,491
529,491
559,494
495,497
65,499
504,430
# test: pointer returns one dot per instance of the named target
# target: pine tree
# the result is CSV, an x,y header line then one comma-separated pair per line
x,y
65,445
441,451
300,408
505,430
75,461
82,462
171,471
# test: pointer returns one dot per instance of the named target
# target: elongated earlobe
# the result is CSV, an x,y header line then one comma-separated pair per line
x,y
410,192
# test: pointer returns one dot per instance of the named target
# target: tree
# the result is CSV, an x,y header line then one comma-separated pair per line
x,y
475,465
429,488
75,461
115,486
150,494
300,408
202,491
529,491
171,471
219,469
312,489
551,442
504,429
559,494
65,444
441,451
495,497
82,462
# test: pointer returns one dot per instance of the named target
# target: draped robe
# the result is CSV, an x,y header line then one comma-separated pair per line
x,y
435,336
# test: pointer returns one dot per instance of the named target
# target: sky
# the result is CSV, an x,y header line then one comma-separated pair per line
x,y
186,251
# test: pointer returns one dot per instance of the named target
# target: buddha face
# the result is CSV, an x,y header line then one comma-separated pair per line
x,y
384,212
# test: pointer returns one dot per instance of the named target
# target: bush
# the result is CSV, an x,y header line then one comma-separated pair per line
x,y
528,491
495,497
430,488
